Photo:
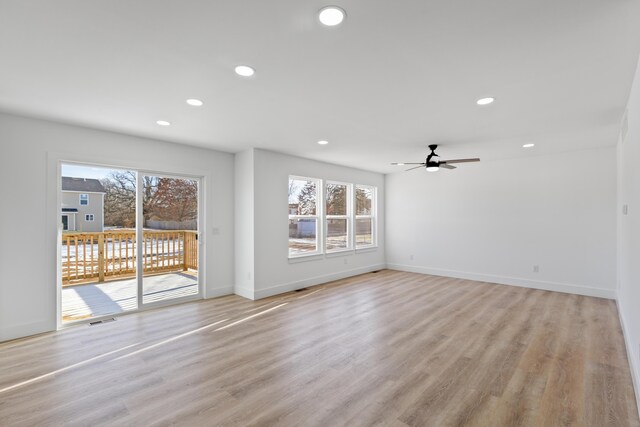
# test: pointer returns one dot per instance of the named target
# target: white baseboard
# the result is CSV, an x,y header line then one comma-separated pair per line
x,y
244,292
512,281
631,355
299,284
219,291
26,330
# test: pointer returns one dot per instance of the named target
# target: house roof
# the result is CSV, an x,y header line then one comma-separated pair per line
x,y
89,185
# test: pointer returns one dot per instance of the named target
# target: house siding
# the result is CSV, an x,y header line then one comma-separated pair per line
x,y
71,199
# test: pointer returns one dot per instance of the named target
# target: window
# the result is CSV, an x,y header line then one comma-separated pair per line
x,y
365,216
88,217
84,199
303,216
328,217
338,215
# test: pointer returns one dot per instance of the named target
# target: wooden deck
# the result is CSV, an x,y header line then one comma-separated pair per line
x,y
111,255
101,299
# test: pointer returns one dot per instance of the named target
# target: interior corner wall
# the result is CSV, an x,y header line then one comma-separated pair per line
x,y
495,220
274,272
244,224
629,230
29,213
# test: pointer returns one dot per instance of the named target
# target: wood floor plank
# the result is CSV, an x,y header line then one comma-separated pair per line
x,y
381,349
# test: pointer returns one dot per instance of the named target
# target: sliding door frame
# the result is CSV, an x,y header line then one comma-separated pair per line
x,y
53,223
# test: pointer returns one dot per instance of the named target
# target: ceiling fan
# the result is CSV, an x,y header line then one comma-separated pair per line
x,y
433,165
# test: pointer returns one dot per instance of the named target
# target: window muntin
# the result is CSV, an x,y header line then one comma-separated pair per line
x,y
84,199
304,221
338,216
365,216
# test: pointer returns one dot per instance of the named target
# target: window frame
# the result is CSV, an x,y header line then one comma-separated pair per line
x,y
319,215
321,220
348,217
89,217
372,216
85,199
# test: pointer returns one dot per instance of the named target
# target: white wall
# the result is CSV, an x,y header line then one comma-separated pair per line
x,y
273,271
495,220
629,231
28,174
244,235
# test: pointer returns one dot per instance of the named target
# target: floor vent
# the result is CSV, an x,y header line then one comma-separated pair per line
x,y
302,290
98,322
375,271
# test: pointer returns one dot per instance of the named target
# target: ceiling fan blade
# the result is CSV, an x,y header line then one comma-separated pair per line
x,y
461,160
403,163
410,169
446,166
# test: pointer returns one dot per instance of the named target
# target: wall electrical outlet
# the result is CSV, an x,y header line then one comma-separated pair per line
x,y
536,269
411,257
625,209
346,261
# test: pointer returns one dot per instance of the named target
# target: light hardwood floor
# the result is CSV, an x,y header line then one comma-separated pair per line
x,y
386,348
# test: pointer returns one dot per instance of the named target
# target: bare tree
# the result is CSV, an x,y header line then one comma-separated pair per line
x,y
163,199
175,200
120,199
336,199
363,201
307,199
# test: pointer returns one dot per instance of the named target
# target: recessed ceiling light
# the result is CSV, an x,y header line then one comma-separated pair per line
x,y
528,145
163,123
245,71
485,101
323,142
331,15
195,102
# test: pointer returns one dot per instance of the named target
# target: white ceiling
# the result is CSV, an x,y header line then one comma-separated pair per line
x,y
393,78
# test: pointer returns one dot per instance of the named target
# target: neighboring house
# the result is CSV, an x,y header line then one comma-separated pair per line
x,y
82,204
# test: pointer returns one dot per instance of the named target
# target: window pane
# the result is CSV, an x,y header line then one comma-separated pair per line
x,y
336,199
337,234
302,236
170,238
363,232
302,197
364,197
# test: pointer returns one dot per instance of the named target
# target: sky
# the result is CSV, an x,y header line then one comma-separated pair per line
x,y
77,171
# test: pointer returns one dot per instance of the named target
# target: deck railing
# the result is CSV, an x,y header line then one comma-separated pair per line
x,y
96,257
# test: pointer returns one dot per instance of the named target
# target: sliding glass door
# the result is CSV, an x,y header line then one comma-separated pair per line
x,y
170,238
129,239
